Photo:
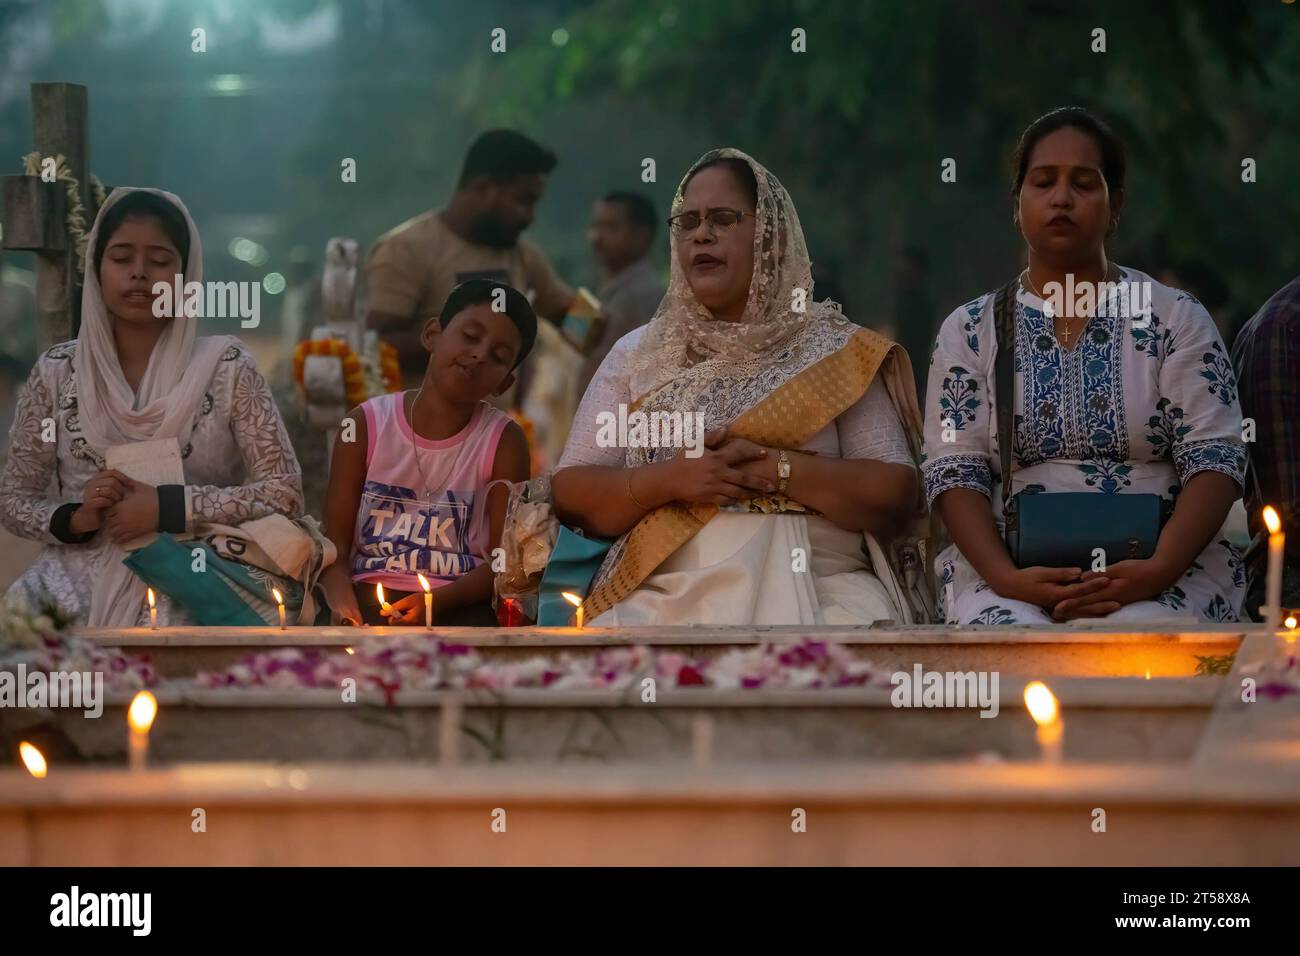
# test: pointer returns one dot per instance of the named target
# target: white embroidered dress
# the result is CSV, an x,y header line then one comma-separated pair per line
x,y
238,464
1128,410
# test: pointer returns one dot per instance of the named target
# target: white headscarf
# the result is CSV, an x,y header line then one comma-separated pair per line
x,y
165,405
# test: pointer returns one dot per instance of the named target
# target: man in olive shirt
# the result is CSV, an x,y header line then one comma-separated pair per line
x,y
413,268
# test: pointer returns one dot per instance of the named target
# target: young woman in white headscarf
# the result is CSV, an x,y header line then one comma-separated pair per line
x,y
131,376
812,432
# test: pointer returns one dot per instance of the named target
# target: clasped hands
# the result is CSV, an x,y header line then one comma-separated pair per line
x,y
123,507
727,470
1068,593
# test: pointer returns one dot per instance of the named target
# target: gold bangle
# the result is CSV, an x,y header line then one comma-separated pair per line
x,y
628,472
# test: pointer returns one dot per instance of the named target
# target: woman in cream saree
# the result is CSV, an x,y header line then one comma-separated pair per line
x,y
808,470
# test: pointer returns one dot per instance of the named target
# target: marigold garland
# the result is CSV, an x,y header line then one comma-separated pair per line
x,y
356,389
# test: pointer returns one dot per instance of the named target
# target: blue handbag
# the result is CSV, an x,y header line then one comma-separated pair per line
x,y
574,562
1062,529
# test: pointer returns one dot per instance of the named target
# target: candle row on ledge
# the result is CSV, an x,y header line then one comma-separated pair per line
x,y
143,710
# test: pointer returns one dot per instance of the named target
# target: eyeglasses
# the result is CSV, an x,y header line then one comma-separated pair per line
x,y
719,219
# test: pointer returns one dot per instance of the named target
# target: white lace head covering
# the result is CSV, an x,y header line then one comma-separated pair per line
x,y
686,359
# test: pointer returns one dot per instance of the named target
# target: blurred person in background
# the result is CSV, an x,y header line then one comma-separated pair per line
x,y
621,231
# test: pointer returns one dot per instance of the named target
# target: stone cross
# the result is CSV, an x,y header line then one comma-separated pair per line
x,y
35,211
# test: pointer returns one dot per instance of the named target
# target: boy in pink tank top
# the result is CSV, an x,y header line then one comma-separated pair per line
x,y
419,480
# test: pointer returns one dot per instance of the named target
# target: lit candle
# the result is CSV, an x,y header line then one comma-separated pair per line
x,y
279,602
153,611
1273,584
33,760
576,602
379,590
144,707
428,599
1042,706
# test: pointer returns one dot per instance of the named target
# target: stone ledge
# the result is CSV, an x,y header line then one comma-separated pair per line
x,y
883,783
1154,633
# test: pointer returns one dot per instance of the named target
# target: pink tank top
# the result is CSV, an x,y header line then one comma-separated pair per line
x,y
427,515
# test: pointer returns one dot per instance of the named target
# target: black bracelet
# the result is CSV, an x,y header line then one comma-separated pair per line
x,y
61,524
171,508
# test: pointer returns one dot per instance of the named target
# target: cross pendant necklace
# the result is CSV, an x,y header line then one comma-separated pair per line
x,y
1048,309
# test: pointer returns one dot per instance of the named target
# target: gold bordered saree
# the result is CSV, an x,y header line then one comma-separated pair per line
x,y
787,416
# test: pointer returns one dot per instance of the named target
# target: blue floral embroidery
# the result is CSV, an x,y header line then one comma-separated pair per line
x,y
958,401
974,312
1098,428
1076,397
1174,598
1109,476
1148,340
1218,372
956,471
1214,454
1235,564
993,614
1041,430
1218,610
1167,429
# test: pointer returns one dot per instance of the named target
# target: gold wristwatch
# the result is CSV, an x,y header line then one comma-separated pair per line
x,y
782,471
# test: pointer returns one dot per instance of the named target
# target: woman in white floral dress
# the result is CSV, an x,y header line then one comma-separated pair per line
x,y
1103,404
130,376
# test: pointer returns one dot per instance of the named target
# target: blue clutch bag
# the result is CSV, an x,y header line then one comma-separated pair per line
x,y
1062,529
574,562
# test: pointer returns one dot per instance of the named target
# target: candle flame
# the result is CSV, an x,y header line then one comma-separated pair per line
x,y
144,707
278,598
1271,520
349,650
33,760
379,590
1290,622
150,596
424,582
571,598
1041,703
